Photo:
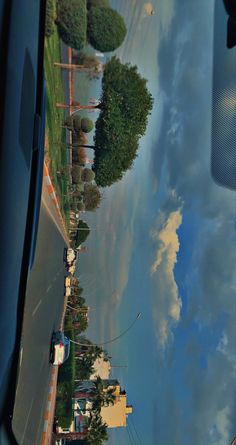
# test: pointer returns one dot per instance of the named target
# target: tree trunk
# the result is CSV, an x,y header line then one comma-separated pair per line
x,y
71,66
78,145
79,106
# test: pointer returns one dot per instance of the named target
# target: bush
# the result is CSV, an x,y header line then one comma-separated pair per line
x,y
72,22
106,29
50,18
86,125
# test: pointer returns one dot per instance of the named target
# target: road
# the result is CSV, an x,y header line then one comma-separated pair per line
x,y
43,310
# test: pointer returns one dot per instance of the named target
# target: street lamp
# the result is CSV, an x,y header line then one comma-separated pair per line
x,y
111,340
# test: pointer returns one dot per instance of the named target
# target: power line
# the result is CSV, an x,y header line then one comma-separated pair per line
x,y
136,432
131,433
130,437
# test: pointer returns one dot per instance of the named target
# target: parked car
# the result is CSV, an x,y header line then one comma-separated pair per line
x,y
60,348
70,256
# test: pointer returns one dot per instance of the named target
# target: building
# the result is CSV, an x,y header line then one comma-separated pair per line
x,y
115,416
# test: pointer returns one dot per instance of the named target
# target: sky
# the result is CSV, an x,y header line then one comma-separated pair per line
x,y
163,243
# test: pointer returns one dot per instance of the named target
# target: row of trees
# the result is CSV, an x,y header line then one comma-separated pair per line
x,y
124,108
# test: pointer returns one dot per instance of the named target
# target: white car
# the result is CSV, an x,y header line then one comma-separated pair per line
x,y
60,348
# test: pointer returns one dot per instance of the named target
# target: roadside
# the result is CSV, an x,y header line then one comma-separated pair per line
x,y
51,203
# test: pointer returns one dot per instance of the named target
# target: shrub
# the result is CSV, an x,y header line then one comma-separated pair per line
x,y
77,123
106,29
87,175
86,125
50,18
72,22
69,122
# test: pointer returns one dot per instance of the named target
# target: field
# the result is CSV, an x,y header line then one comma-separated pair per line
x,y
55,134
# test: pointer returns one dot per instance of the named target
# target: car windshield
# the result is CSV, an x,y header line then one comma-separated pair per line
x,y
118,177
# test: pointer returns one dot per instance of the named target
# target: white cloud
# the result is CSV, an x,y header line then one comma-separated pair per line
x,y
167,303
220,431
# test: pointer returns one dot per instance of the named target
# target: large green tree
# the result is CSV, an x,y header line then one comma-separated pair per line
x,y
72,22
125,105
106,29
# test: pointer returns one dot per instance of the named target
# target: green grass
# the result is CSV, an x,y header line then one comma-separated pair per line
x,y
55,119
66,379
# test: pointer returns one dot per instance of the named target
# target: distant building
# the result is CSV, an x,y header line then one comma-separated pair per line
x,y
115,416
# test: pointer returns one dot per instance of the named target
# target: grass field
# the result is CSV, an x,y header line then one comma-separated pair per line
x,y
54,120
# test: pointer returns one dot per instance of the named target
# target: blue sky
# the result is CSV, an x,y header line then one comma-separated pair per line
x,y
164,244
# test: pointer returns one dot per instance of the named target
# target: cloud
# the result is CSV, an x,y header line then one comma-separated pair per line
x,y
167,304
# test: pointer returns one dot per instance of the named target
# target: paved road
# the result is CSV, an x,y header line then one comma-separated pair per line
x,y
44,305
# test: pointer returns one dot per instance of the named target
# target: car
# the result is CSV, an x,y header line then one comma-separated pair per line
x,y
60,348
70,256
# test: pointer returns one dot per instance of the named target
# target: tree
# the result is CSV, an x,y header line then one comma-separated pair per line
x,y
87,175
125,105
91,197
50,18
97,430
86,125
76,174
69,122
81,235
106,29
72,22
86,60
98,3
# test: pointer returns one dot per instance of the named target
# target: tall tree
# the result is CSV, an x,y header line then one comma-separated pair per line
x,y
125,105
97,430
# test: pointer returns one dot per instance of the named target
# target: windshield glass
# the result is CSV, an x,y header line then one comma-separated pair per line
x,y
135,255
